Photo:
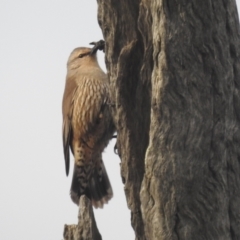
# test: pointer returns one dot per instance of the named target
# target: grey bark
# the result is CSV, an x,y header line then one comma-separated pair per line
x,y
174,70
86,228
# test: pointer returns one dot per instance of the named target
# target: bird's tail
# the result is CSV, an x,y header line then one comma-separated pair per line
x,y
94,184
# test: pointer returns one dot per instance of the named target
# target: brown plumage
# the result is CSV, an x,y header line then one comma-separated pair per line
x,y
87,126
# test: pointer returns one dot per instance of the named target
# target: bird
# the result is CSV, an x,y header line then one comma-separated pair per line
x,y
87,126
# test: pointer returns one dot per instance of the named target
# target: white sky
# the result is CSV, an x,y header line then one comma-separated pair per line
x,y
36,39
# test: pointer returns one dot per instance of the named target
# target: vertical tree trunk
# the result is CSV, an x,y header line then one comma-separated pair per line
x,y
174,69
129,63
86,229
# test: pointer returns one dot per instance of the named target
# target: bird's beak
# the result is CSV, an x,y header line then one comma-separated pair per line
x,y
100,45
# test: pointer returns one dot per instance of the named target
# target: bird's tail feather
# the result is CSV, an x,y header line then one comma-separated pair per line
x,y
100,187
79,183
96,187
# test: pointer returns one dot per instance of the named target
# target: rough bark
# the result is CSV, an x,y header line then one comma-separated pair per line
x,y
86,228
174,69
129,64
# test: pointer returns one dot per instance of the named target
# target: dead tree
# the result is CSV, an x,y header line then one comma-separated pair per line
x,y
174,70
86,229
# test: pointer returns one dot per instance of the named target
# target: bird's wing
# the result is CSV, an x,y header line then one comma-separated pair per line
x,y
89,101
67,110
85,99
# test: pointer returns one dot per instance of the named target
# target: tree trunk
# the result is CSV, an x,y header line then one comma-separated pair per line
x,y
174,70
86,228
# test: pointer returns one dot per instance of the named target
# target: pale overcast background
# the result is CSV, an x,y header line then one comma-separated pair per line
x,y
36,38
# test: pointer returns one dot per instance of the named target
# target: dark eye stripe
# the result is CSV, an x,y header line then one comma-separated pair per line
x,y
83,55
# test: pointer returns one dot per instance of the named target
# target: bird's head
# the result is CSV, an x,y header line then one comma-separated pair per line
x,y
81,56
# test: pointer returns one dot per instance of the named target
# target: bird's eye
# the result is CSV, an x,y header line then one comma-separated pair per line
x,y
81,55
